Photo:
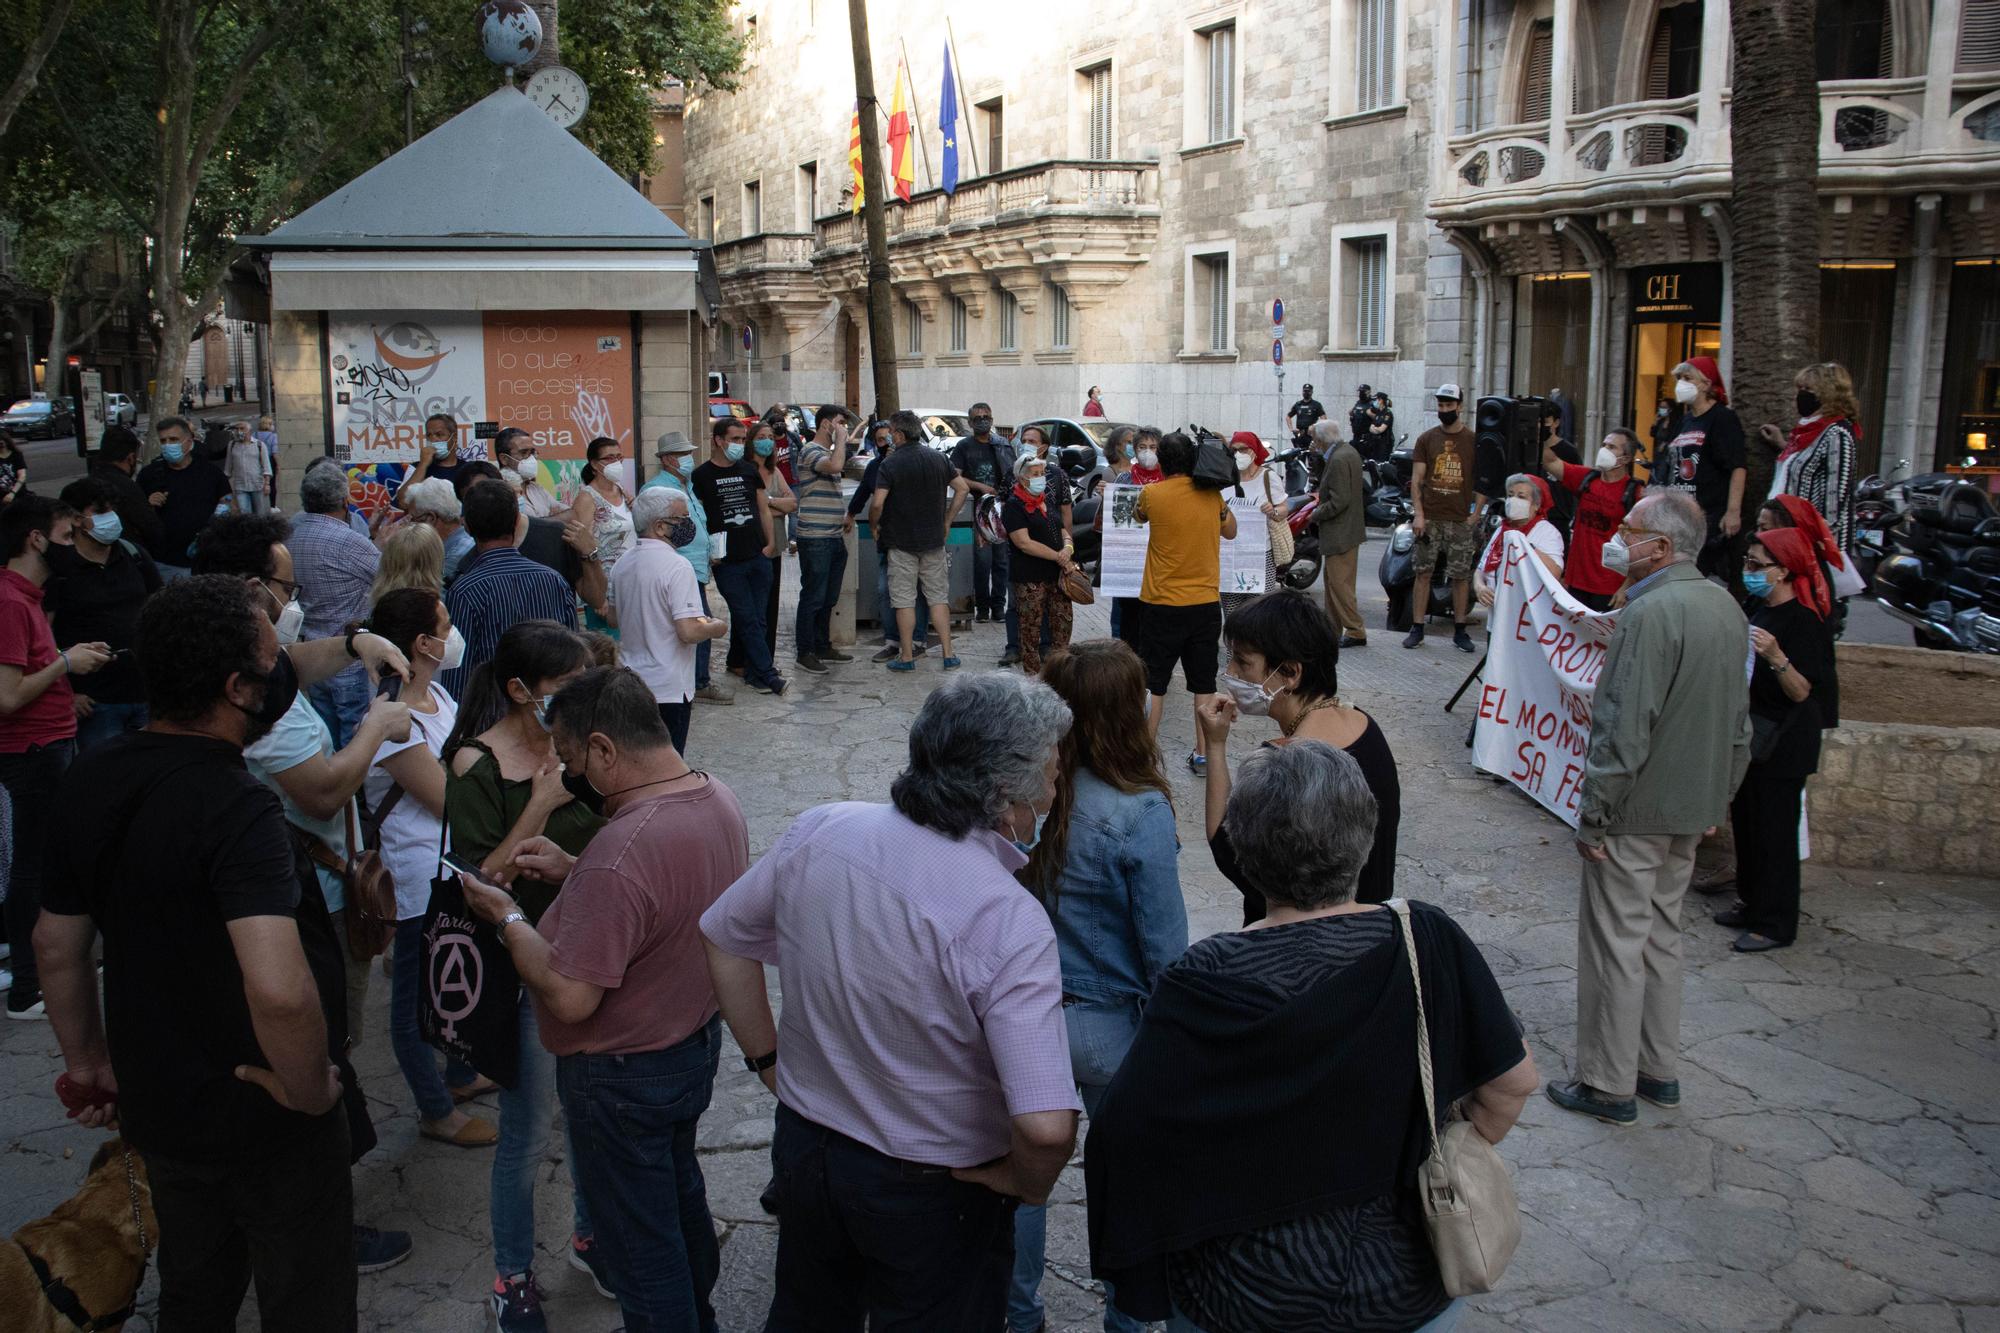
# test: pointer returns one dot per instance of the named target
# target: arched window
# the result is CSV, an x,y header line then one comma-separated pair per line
x,y
1673,62
1855,40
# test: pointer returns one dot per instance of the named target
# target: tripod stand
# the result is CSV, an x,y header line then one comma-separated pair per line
x,y
1464,685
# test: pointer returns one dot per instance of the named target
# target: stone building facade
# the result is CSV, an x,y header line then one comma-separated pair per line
x,y
1584,239
1138,182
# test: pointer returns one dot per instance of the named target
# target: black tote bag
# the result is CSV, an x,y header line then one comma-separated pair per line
x,y
471,992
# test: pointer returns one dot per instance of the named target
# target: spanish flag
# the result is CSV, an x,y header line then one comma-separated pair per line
x,y
901,169
854,156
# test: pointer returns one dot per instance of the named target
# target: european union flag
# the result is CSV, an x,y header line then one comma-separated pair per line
x,y
948,122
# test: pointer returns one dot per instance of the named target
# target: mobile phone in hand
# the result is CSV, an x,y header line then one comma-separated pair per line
x,y
465,867
390,687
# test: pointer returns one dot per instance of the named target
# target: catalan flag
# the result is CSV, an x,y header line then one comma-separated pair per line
x,y
854,156
902,170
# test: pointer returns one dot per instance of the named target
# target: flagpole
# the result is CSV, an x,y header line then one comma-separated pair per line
x,y
958,70
881,317
916,115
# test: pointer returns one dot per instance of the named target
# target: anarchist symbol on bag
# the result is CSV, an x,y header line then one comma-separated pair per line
x,y
457,972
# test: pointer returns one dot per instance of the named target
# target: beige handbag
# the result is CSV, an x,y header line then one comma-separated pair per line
x,y
1470,1210
1281,531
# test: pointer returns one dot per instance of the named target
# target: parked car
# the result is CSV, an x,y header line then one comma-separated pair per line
x,y
731,407
943,426
803,418
1079,444
120,410
39,419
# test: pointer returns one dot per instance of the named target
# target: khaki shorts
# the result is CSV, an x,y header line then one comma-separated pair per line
x,y
1455,540
909,569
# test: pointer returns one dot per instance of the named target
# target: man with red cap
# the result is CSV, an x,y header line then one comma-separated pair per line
x,y
1705,456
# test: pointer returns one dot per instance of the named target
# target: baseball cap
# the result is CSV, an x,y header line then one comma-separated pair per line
x,y
1450,391
675,442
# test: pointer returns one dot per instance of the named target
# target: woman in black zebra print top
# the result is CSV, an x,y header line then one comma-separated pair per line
x,y
1816,458
1252,1167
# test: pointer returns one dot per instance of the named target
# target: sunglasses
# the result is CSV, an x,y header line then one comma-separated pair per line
x,y
1755,566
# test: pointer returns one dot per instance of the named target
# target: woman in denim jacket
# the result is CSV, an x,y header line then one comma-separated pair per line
x,y
1105,867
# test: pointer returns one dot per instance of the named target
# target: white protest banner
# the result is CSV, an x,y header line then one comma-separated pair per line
x,y
1544,653
1245,555
1122,563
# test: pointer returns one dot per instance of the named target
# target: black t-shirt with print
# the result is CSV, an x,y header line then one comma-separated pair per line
x,y
1044,527
1700,456
728,496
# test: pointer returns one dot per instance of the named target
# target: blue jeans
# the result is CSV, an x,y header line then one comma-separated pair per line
x,y
342,701
632,1125
822,568
746,586
701,650
989,579
106,721
414,1056
527,1110
886,614
1099,1036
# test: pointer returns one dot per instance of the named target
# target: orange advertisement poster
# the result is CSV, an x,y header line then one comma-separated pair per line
x,y
564,376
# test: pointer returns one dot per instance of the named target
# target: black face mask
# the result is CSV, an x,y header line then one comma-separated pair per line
x,y
1808,402
579,786
1448,418
281,688
1548,431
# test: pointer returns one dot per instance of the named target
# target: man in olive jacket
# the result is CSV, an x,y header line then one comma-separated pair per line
x,y
1669,740
1342,519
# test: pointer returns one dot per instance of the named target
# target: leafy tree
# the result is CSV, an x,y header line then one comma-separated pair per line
x,y
22,82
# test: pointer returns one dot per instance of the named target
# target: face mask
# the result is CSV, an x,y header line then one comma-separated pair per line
x,y
1252,698
1684,391
1027,848
765,448
528,469
1518,509
291,616
1607,458
173,453
1449,417
106,528
1037,485
1757,583
733,452
680,465
454,651
1244,462
440,448
1616,555
541,706
1148,459
281,687
578,785
1547,431
1808,402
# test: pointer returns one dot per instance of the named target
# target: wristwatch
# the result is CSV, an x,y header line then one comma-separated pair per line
x,y
350,641
509,920
757,1064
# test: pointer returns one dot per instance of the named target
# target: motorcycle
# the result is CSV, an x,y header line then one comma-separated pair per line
x,y
1877,509
1387,486
1942,576
1397,570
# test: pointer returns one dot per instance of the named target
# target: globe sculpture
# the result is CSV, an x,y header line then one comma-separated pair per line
x,y
510,32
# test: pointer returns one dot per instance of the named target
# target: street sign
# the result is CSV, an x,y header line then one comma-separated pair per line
x,y
1278,312
1277,351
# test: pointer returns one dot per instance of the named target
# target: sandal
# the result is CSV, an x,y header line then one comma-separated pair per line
x,y
479,1087
474,1133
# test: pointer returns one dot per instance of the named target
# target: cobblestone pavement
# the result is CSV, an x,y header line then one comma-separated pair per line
x,y
1835,1165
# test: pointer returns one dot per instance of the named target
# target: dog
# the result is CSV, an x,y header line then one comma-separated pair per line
x,y
89,1250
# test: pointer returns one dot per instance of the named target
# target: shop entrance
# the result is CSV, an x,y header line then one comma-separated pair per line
x,y
1676,313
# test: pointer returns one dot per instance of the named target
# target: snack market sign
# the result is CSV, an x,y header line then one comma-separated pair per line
x,y
566,377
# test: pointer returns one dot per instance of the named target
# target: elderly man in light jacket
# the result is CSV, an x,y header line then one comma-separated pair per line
x,y
1669,740
1342,519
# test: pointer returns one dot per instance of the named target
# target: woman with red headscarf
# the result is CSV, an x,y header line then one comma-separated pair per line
x,y
1794,511
1704,455
1794,695
1528,502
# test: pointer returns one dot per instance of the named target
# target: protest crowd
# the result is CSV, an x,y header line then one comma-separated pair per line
x,y
250,753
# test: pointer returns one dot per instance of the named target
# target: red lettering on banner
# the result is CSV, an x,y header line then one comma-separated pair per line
x,y
1570,787
1523,625
1525,752
1493,702
1538,767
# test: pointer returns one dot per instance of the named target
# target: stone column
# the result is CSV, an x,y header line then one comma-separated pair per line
x,y
1938,70
1917,314
1719,221
1710,127
1560,59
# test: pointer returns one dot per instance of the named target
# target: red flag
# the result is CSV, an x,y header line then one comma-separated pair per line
x,y
902,171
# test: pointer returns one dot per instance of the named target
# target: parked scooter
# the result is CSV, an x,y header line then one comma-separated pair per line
x,y
1397,570
1877,508
1942,573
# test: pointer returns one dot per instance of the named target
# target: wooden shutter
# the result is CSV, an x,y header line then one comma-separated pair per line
x,y
1222,83
1541,54
1100,113
1979,35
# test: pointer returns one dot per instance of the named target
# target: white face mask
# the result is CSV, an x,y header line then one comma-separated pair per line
x,y
1252,699
1607,458
528,468
1149,459
1245,461
1616,556
290,621
1684,391
1518,509
454,651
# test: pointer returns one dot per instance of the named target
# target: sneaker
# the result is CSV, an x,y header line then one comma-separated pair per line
x,y
1348,642
951,664
900,665
1415,638
713,693
583,1257
1586,1100
1660,1091
1012,657
834,655
775,685
1197,764
26,1007
1732,918
809,662
1751,942
376,1250
517,1305
981,618
888,651
1461,640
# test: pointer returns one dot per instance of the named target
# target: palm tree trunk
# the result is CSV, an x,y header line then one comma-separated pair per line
x,y
1774,209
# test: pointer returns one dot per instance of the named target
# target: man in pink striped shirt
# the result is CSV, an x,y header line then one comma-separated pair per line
x,y
925,1081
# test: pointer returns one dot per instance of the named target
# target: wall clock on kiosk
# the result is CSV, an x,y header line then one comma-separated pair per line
x,y
560,92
